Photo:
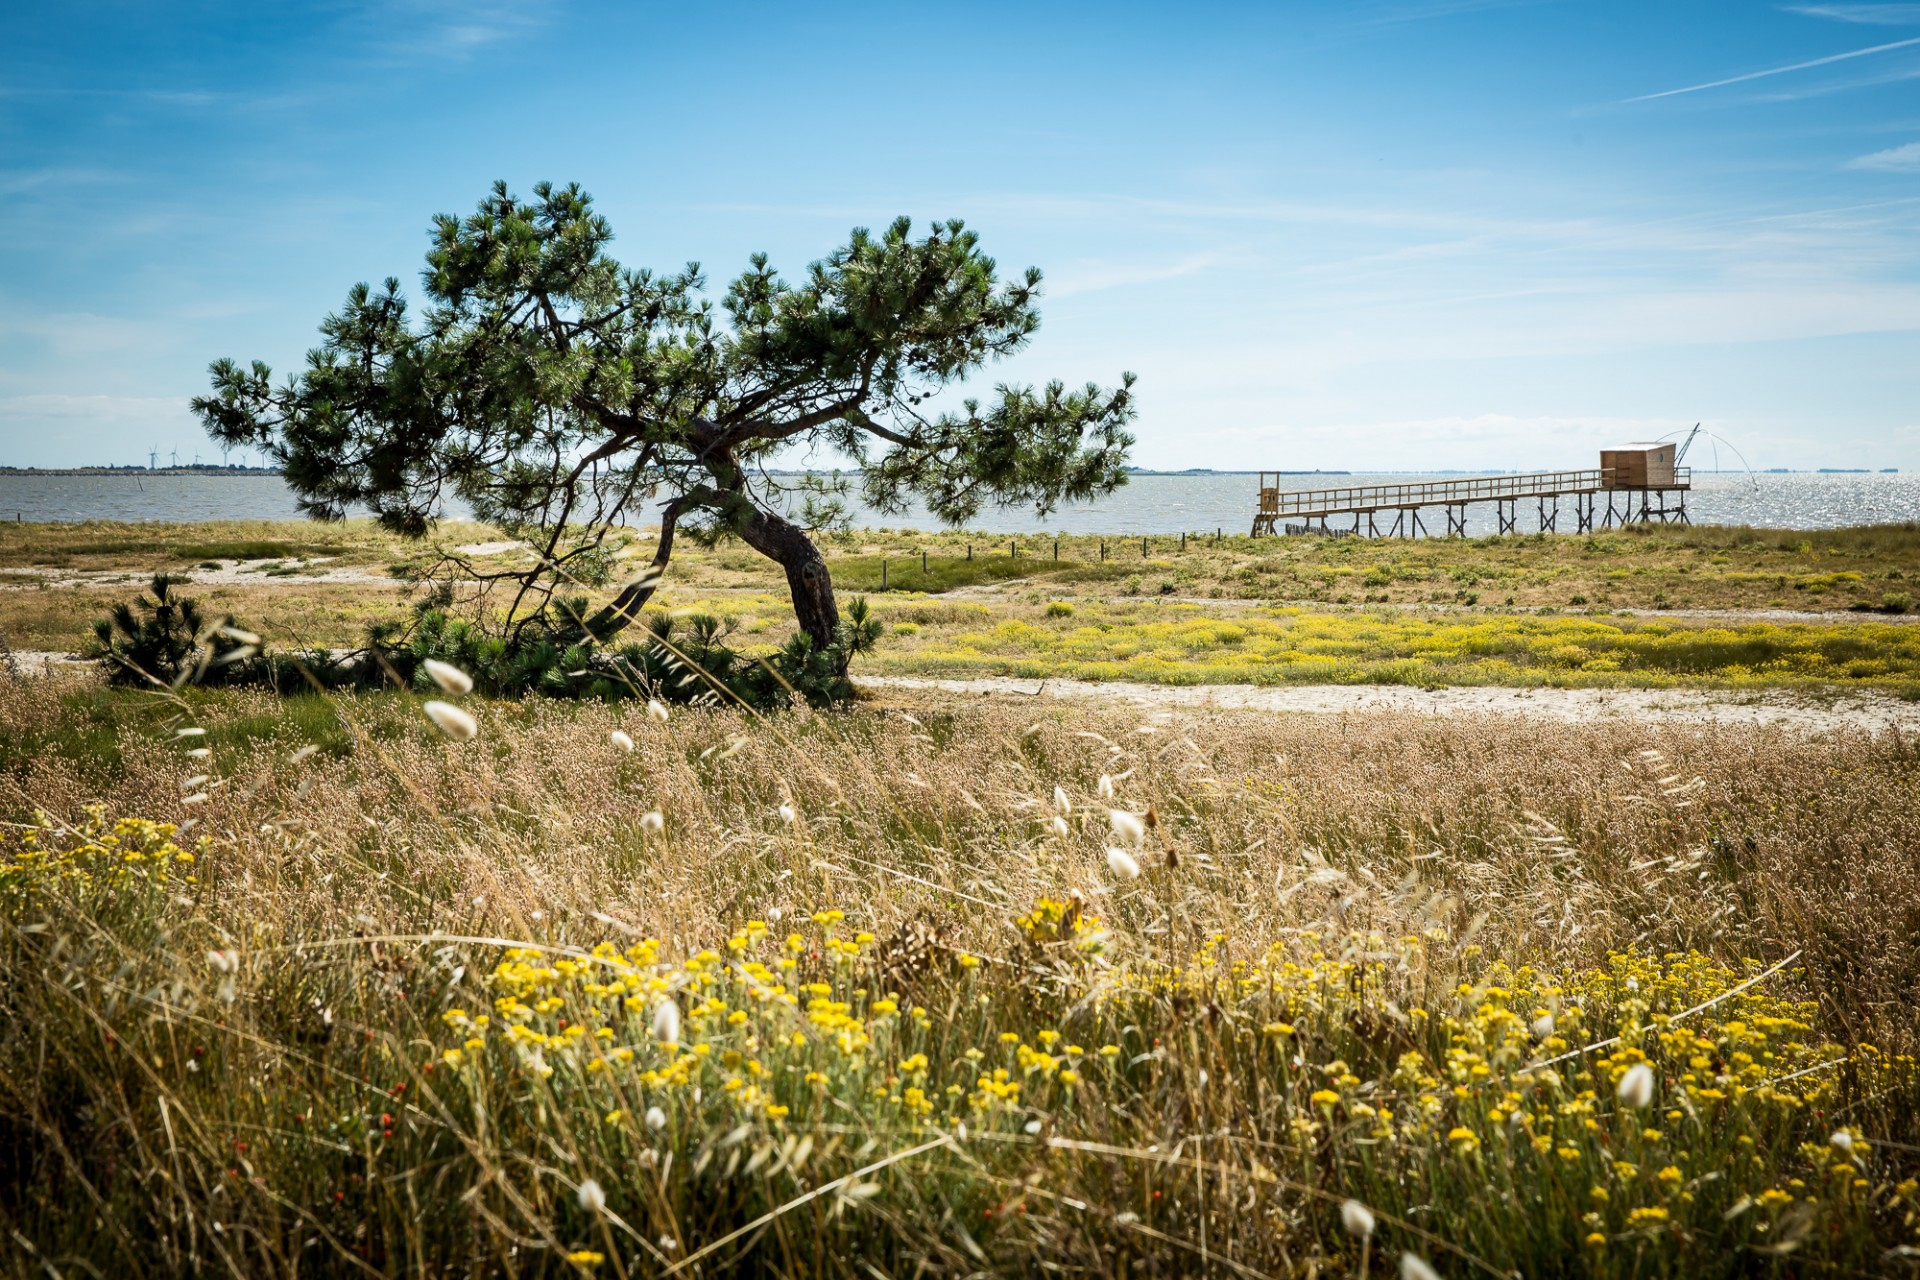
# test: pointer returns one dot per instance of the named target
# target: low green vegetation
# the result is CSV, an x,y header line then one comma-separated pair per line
x,y
1620,608
1177,643
1641,567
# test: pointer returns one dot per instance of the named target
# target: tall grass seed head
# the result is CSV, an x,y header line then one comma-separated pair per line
x,y
666,1022
652,823
593,1198
448,677
656,1119
1106,787
1127,826
1636,1086
656,710
1415,1267
452,721
1356,1218
621,739
1057,825
1123,864
1060,800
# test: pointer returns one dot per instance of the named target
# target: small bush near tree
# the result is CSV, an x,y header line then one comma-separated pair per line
x,y
162,638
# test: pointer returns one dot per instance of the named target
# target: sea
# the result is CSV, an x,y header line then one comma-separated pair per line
x,y
1150,503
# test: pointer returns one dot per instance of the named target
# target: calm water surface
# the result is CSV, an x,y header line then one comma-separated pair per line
x,y
1148,504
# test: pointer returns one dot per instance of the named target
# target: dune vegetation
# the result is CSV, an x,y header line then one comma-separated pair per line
x,y
1652,607
307,985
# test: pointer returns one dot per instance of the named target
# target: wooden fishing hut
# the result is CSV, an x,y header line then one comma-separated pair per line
x,y
1640,483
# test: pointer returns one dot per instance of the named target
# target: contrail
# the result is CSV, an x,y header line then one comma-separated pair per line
x,y
1756,75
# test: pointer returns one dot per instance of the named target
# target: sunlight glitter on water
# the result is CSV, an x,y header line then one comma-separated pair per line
x,y
1150,503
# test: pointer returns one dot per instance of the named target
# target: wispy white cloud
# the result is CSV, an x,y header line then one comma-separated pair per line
x,y
20,181
1898,159
1844,84
451,30
1089,277
1873,15
1778,71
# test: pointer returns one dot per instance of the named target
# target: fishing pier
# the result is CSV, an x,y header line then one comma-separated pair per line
x,y
1634,484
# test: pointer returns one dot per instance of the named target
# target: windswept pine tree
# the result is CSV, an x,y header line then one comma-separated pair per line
x,y
556,393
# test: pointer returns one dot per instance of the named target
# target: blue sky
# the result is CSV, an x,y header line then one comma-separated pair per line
x,y
1379,234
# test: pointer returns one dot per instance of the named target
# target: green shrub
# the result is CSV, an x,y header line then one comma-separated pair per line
x,y
686,660
162,638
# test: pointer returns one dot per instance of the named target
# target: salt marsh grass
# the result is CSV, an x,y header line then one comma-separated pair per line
x,y
853,1003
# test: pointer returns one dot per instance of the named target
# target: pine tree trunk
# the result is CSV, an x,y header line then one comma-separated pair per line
x,y
808,581
626,606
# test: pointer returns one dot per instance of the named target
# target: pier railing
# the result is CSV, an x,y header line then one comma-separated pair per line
x,y
1277,502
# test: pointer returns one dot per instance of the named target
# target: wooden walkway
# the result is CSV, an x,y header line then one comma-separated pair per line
x,y
1370,504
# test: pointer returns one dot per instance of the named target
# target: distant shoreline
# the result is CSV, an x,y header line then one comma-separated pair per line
x,y
139,472
134,473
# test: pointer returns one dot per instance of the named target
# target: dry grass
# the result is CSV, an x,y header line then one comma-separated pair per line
x,y
287,1116
150,545
1500,801
60,619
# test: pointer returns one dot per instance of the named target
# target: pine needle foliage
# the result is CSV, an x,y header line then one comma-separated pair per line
x,y
555,393
162,638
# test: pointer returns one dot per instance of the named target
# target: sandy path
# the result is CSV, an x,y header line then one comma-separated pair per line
x,y
1874,713
231,573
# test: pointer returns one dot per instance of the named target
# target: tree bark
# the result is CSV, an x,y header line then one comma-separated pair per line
x,y
633,597
808,581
